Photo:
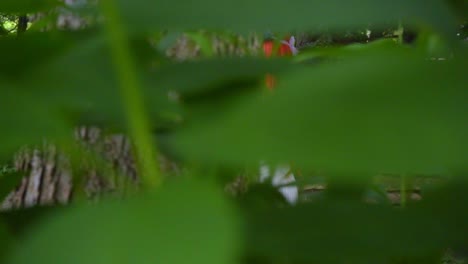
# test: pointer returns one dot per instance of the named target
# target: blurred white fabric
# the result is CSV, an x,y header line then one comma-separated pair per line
x,y
279,177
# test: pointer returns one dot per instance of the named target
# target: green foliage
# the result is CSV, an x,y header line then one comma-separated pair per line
x,y
9,178
381,114
277,15
345,113
6,242
26,6
188,216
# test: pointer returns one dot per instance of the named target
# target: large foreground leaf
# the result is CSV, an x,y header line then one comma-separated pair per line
x,y
390,112
184,223
339,231
279,15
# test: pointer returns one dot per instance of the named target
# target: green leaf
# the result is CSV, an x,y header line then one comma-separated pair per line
x,y
89,86
8,182
278,15
6,242
26,6
357,49
184,222
26,119
391,112
202,77
34,50
82,83
29,112
20,222
208,87
340,231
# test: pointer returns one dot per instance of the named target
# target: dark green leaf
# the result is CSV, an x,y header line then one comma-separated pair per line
x,y
20,222
335,231
26,6
32,51
6,242
8,182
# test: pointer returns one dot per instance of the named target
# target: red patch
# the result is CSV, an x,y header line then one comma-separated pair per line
x,y
270,81
268,48
285,49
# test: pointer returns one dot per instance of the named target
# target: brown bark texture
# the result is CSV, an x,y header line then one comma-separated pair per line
x,y
104,165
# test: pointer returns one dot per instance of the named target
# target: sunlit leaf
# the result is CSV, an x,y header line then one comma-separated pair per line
x,y
394,112
185,222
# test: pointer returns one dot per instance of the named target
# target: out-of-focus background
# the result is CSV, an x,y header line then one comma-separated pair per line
x,y
258,131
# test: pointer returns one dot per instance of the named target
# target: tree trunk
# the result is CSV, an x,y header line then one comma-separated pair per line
x,y
105,165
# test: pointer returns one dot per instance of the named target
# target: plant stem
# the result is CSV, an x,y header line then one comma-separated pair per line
x,y
401,31
132,99
403,191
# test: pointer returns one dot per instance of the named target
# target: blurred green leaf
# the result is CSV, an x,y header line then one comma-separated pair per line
x,y
338,52
202,77
340,231
187,222
449,204
89,85
75,75
21,56
26,6
277,15
28,113
81,82
25,119
8,182
20,222
6,242
263,196
207,87
390,112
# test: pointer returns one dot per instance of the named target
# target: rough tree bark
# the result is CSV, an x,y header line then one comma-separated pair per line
x,y
106,165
